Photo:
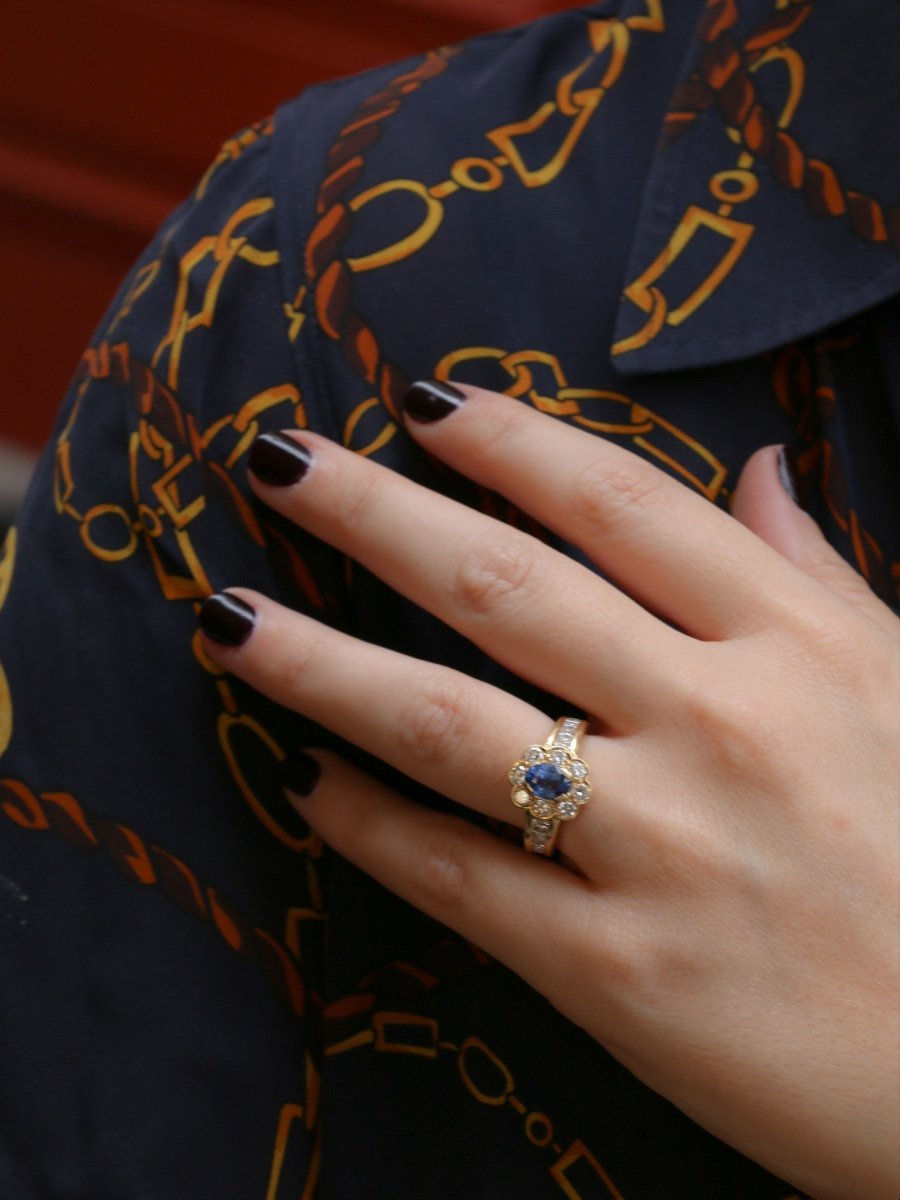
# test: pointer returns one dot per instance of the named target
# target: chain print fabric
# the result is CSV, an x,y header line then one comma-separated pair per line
x,y
675,225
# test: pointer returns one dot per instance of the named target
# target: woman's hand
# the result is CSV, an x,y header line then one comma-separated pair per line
x,y
727,923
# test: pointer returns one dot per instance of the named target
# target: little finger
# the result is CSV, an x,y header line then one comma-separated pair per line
x,y
516,907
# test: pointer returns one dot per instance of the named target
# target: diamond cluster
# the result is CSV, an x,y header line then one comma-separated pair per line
x,y
550,782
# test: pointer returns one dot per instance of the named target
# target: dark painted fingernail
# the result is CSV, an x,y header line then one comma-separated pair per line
x,y
227,620
429,400
278,460
300,773
787,472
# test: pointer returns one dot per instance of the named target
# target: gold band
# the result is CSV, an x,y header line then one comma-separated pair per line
x,y
551,784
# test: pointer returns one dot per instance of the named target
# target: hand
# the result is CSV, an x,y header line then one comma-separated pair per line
x,y
725,916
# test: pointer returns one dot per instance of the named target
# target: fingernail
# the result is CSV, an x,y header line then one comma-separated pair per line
x,y
227,620
429,400
787,472
300,773
278,460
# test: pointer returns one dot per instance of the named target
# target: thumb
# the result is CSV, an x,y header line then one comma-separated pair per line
x,y
765,500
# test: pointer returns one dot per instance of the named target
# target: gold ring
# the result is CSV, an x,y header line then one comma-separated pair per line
x,y
551,784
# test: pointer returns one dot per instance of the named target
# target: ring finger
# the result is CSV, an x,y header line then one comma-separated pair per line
x,y
455,735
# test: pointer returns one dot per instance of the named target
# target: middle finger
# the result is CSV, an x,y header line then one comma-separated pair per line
x,y
542,615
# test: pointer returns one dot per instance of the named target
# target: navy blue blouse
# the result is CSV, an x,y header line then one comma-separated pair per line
x,y
673,224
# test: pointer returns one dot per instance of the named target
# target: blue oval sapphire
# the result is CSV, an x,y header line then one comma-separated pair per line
x,y
546,781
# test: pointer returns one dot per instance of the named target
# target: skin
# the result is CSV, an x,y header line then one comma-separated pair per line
x,y
724,917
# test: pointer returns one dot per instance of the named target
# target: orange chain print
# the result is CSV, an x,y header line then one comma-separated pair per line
x,y
722,79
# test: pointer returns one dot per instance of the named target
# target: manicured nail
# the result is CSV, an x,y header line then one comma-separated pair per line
x,y
227,620
300,773
428,401
787,472
278,460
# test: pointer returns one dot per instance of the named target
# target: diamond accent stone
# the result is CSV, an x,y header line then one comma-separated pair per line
x,y
534,754
566,810
559,758
541,826
517,774
578,769
581,793
542,808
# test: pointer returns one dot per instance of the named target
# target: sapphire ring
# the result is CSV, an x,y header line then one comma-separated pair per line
x,y
550,783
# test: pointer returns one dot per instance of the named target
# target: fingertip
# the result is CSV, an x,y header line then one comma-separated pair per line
x,y
428,401
766,489
788,473
227,619
279,459
301,775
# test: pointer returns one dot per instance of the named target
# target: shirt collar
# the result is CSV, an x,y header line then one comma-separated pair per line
x,y
772,207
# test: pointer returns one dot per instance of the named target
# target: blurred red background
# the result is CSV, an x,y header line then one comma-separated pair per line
x,y
112,109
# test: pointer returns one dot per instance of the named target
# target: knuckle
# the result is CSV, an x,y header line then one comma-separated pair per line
x,y
443,872
606,496
878,667
741,737
619,958
733,728
497,423
657,968
353,504
631,969
491,573
825,647
834,645
828,568
295,661
848,670
434,725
